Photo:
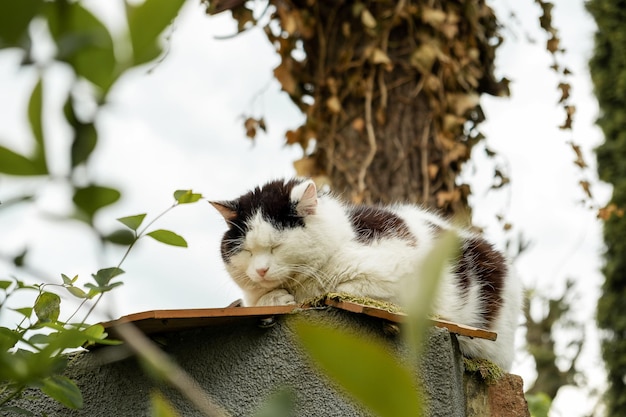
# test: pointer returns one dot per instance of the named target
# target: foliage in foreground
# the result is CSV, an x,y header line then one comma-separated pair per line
x,y
608,72
33,353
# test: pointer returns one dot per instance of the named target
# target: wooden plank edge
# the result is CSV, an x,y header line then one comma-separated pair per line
x,y
457,328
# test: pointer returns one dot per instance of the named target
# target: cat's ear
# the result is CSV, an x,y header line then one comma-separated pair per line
x,y
228,209
305,197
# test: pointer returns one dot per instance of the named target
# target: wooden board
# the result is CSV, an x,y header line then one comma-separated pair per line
x,y
160,321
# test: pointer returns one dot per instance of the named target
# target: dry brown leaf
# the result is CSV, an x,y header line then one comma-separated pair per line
x,y
446,197
433,170
423,58
586,186
379,57
288,20
552,44
569,117
460,104
304,167
565,90
334,104
283,74
605,213
293,136
367,19
251,124
433,17
358,124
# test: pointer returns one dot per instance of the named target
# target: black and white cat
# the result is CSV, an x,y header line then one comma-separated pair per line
x,y
286,243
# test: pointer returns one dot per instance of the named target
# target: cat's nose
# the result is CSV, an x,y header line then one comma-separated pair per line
x,y
262,272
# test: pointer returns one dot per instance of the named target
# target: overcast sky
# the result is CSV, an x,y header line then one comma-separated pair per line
x,y
179,126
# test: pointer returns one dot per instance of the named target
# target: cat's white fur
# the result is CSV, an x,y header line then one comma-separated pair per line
x,y
278,267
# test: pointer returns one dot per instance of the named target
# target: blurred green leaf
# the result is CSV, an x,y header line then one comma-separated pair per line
x,y
15,16
16,411
97,289
364,367
63,390
67,280
24,311
13,163
94,197
146,22
168,237
47,307
279,404
95,332
419,294
186,196
85,141
83,41
132,222
160,406
19,259
104,276
539,404
35,106
8,338
5,284
39,339
85,134
77,292
120,237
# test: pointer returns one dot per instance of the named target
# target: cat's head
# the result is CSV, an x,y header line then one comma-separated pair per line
x,y
266,237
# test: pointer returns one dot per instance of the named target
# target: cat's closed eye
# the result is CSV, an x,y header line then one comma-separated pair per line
x,y
274,247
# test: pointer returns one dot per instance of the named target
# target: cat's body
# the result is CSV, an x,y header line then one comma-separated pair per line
x,y
286,244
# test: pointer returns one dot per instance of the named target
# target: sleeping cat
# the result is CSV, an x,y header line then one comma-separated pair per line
x,y
286,243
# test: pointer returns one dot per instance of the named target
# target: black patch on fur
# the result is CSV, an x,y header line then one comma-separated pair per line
x,y
273,201
483,265
374,223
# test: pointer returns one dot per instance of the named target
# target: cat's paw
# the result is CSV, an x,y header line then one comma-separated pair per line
x,y
279,297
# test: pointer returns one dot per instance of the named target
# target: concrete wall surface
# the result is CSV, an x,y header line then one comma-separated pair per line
x,y
241,364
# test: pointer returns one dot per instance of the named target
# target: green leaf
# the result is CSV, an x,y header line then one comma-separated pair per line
x,y
539,404
35,106
84,42
132,222
279,404
419,294
105,275
186,196
15,16
13,163
121,237
364,367
67,280
47,307
146,22
63,390
19,259
160,407
95,332
35,111
168,237
39,339
94,197
24,311
94,290
5,284
85,141
77,292
17,411
8,338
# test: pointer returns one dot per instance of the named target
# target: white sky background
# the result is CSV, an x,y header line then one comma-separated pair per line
x,y
179,127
